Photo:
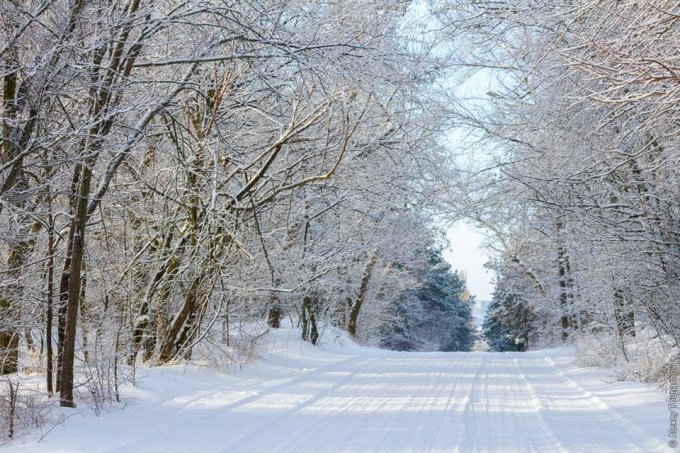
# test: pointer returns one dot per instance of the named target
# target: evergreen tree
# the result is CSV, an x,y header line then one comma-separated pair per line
x,y
432,316
397,333
507,325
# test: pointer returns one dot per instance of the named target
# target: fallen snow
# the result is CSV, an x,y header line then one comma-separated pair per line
x,y
344,398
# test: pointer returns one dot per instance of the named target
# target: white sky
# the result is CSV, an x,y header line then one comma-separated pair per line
x,y
466,255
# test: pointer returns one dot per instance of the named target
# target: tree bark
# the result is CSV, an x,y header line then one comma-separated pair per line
x,y
49,369
167,349
361,297
563,271
78,225
310,330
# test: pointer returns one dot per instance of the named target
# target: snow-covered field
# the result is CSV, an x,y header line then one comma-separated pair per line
x,y
343,398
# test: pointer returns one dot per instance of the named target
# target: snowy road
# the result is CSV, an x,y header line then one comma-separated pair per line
x,y
368,400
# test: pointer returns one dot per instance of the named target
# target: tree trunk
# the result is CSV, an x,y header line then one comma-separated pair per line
x,y
78,225
624,318
10,305
564,284
361,297
170,342
9,336
275,314
310,331
618,319
143,317
9,329
61,309
84,315
49,369
65,280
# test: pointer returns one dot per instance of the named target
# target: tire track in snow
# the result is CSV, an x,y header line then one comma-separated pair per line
x,y
626,427
289,415
456,404
469,423
420,406
348,418
407,414
372,407
503,412
556,445
378,401
278,388
187,402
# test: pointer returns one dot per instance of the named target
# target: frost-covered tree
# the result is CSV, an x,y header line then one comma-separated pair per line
x,y
162,164
507,321
433,315
580,147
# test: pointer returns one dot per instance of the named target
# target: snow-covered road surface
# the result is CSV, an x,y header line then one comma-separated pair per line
x,y
301,399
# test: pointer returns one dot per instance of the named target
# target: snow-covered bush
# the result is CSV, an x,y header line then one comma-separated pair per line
x,y
644,360
22,407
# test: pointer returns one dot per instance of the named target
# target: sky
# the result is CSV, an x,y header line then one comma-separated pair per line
x,y
466,255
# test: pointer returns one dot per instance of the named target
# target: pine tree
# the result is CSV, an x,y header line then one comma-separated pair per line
x,y
432,316
507,325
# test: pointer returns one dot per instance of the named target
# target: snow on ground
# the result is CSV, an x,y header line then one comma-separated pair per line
x,y
344,398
